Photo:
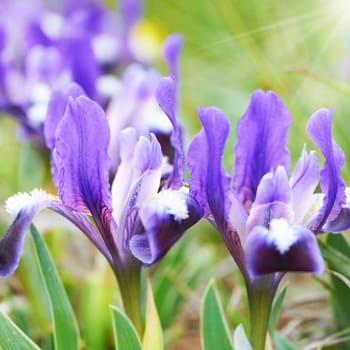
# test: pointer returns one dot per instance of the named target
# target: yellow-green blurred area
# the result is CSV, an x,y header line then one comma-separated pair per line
x,y
298,48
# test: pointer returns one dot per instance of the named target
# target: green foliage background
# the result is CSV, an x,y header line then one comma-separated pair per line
x,y
300,50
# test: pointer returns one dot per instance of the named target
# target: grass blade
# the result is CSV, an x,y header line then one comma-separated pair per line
x,y
125,335
65,328
276,308
12,337
214,330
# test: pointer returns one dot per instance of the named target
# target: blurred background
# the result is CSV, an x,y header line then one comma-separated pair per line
x,y
300,50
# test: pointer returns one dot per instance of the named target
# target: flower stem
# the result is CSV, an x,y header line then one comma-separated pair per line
x,y
261,292
129,281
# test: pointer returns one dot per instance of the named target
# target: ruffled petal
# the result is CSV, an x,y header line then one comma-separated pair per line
x,y
282,248
216,182
303,182
80,155
55,111
261,143
332,184
197,162
165,218
210,177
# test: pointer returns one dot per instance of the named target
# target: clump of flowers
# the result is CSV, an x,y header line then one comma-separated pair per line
x,y
268,220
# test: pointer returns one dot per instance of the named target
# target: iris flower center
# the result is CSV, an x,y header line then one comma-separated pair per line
x,y
282,234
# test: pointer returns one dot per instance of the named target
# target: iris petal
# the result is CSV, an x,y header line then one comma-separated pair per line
x,y
55,111
124,177
274,187
166,95
273,200
197,159
332,184
295,250
214,180
171,52
85,70
303,182
82,161
164,224
261,143
24,207
340,223
145,180
216,129
131,12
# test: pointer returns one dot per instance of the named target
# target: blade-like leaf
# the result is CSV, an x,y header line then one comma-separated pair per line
x,y
153,337
125,335
240,339
340,295
276,307
12,337
214,330
65,328
336,259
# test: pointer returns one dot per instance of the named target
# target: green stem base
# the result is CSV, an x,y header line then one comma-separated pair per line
x,y
129,281
261,292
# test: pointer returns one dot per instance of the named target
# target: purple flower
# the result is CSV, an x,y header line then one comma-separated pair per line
x,y
268,219
83,43
131,216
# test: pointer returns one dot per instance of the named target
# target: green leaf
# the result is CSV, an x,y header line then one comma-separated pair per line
x,y
214,330
125,335
240,339
335,256
12,337
276,307
65,328
279,341
153,337
340,294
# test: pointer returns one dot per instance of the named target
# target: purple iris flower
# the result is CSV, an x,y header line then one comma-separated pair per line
x,y
268,219
131,210
82,42
139,217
